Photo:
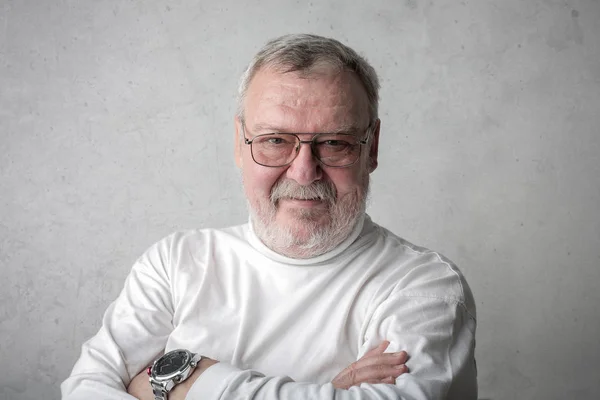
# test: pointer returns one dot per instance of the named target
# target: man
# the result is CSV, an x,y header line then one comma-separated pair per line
x,y
311,299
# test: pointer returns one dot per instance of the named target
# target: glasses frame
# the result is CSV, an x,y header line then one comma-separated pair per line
x,y
311,142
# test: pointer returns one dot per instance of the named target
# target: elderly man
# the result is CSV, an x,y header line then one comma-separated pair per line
x,y
310,299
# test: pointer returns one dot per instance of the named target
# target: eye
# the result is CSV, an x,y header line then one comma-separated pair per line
x,y
335,143
275,140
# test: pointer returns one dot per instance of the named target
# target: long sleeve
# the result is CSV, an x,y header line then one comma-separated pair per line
x,y
222,381
267,320
419,314
134,330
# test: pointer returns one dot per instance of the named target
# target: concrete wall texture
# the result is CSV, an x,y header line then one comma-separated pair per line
x,y
116,128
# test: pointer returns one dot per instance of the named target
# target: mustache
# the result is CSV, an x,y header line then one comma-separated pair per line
x,y
319,190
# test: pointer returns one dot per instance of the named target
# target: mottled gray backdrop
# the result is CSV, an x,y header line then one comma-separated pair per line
x,y
116,124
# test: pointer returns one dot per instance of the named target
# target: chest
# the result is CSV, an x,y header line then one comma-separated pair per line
x,y
304,324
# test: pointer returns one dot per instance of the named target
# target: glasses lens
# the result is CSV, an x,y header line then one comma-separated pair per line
x,y
274,149
337,150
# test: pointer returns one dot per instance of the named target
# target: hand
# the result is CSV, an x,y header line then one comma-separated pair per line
x,y
374,367
140,387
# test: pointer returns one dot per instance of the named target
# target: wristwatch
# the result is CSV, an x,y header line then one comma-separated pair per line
x,y
170,369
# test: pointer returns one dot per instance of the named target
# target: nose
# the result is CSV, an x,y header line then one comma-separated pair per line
x,y
305,169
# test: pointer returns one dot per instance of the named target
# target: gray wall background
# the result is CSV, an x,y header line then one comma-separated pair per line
x,y
116,124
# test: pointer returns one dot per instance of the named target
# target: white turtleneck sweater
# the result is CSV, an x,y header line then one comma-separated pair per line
x,y
283,328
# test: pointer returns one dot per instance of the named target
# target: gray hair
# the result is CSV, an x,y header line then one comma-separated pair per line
x,y
302,52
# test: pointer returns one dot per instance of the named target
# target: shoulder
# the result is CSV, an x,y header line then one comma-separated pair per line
x,y
414,271
192,237
179,245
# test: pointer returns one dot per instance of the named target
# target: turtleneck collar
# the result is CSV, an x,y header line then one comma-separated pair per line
x,y
362,225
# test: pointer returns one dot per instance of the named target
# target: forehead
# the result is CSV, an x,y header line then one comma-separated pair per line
x,y
324,99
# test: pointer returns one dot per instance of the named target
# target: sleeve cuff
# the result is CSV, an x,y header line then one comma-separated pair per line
x,y
212,382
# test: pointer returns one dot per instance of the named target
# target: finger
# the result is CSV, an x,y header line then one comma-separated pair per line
x,y
374,363
378,372
381,359
377,350
353,377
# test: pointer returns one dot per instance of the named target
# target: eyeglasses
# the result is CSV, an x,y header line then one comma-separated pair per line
x,y
336,150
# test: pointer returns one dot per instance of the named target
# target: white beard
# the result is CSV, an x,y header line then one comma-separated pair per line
x,y
316,239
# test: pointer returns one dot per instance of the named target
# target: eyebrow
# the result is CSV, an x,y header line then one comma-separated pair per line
x,y
268,128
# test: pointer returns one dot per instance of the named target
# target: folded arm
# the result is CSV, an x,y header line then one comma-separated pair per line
x,y
437,332
374,367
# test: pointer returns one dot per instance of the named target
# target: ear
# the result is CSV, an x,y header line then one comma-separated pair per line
x,y
374,147
237,141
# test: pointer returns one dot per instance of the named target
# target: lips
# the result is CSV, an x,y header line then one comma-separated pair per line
x,y
300,198
295,202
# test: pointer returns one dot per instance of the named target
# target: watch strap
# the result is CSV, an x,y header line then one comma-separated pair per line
x,y
159,393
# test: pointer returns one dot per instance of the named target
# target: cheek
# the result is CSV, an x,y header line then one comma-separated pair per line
x,y
259,180
346,181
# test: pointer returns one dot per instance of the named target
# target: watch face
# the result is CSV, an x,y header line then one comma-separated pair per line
x,y
171,362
